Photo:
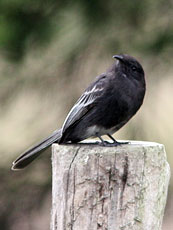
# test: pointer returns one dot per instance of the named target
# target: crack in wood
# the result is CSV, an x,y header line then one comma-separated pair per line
x,y
73,198
56,221
124,180
67,188
125,173
74,158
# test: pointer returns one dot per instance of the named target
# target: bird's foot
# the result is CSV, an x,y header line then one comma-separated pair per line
x,y
113,144
121,143
109,144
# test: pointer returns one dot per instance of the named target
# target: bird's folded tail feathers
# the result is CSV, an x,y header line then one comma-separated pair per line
x,y
28,156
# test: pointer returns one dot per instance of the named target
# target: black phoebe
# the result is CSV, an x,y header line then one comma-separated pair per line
x,y
104,107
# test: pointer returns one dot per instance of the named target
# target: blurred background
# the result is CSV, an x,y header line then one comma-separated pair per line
x,y
49,52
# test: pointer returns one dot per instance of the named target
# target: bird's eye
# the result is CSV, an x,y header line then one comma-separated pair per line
x,y
134,68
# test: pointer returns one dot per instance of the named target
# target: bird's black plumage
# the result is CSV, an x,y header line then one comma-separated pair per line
x,y
104,107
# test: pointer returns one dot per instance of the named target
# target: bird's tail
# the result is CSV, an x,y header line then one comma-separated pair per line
x,y
28,156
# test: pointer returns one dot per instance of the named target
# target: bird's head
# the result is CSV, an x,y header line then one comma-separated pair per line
x,y
129,66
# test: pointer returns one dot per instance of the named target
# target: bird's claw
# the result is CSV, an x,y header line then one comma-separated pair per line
x,y
108,144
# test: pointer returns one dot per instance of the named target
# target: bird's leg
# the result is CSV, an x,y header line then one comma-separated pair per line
x,y
115,143
108,144
111,137
103,143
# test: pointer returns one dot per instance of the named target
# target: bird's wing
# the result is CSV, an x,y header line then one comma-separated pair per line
x,y
86,102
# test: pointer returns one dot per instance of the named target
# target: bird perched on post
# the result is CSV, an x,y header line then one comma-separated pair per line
x,y
104,107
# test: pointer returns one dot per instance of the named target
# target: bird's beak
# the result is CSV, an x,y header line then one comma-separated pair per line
x,y
119,57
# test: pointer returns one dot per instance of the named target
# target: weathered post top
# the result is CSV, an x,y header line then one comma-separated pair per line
x,y
109,188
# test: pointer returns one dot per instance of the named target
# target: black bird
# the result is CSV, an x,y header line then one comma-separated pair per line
x,y
104,107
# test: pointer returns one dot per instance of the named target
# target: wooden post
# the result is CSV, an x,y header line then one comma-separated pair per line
x,y
109,188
